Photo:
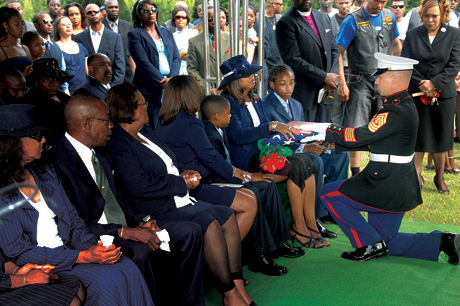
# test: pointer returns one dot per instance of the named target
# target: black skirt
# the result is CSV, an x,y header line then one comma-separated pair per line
x,y
436,126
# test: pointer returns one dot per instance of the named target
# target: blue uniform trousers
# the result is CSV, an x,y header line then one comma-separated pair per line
x,y
380,225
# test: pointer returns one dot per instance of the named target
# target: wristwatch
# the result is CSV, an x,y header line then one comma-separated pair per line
x,y
147,218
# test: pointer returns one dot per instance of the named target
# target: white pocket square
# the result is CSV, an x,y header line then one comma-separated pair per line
x,y
327,30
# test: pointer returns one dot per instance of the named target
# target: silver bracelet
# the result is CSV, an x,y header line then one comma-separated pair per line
x,y
275,123
121,233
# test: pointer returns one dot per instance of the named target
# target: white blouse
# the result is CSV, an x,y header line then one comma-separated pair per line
x,y
170,167
47,231
253,113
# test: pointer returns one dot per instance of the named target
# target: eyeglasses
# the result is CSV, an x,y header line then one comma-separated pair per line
x,y
398,6
148,11
181,17
91,12
280,4
107,122
291,85
211,19
146,104
46,21
38,136
55,5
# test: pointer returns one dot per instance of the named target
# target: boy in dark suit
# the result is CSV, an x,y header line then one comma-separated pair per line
x,y
280,106
268,241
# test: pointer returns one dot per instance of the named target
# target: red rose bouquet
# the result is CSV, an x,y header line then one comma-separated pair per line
x,y
273,162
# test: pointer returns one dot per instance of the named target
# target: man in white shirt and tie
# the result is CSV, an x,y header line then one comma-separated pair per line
x,y
99,39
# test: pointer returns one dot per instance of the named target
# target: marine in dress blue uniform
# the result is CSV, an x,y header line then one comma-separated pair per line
x,y
388,186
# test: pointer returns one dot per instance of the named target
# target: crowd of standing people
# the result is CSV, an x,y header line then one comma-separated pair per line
x,y
139,183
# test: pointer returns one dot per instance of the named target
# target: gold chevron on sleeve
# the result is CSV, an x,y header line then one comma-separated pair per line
x,y
349,134
377,122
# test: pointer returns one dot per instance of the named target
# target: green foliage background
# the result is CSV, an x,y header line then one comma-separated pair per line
x,y
165,7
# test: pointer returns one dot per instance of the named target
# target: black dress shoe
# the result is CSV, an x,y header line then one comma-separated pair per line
x,y
266,266
450,244
325,233
286,250
375,250
327,219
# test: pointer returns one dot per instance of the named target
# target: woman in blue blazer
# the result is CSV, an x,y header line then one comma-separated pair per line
x,y
248,124
155,53
151,185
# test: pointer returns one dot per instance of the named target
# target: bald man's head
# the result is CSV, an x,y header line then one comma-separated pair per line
x,y
393,81
87,120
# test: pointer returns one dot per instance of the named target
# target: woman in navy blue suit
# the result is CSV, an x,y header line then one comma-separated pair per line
x,y
247,125
155,53
47,229
151,185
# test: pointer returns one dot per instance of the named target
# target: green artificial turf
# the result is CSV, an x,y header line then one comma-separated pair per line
x,y
322,277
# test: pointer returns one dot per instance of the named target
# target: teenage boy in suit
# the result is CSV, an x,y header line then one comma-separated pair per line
x,y
280,106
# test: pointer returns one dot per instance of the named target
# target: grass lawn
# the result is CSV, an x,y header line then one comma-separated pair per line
x,y
436,208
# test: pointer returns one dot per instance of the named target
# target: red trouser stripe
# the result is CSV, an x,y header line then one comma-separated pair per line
x,y
332,210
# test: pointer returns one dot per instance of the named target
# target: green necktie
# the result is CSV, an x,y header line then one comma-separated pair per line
x,y
112,209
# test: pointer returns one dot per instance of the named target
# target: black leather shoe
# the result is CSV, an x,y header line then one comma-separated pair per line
x,y
327,219
325,233
450,244
375,250
266,266
286,250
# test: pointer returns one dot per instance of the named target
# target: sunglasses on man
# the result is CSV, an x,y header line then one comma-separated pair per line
x,y
398,7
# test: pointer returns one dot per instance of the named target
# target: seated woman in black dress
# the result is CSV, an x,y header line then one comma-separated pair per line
x,y
151,184
46,96
185,135
47,229
248,124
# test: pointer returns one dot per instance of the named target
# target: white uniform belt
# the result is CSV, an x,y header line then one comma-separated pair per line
x,y
394,159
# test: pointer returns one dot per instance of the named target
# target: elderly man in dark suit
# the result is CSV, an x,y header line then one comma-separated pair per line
x,y
88,179
99,39
121,27
307,44
99,76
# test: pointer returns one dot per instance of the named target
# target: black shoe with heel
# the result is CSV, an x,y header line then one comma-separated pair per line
x,y
442,191
325,233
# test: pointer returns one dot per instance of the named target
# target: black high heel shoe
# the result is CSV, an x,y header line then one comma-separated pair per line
x,y
442,191
313,243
